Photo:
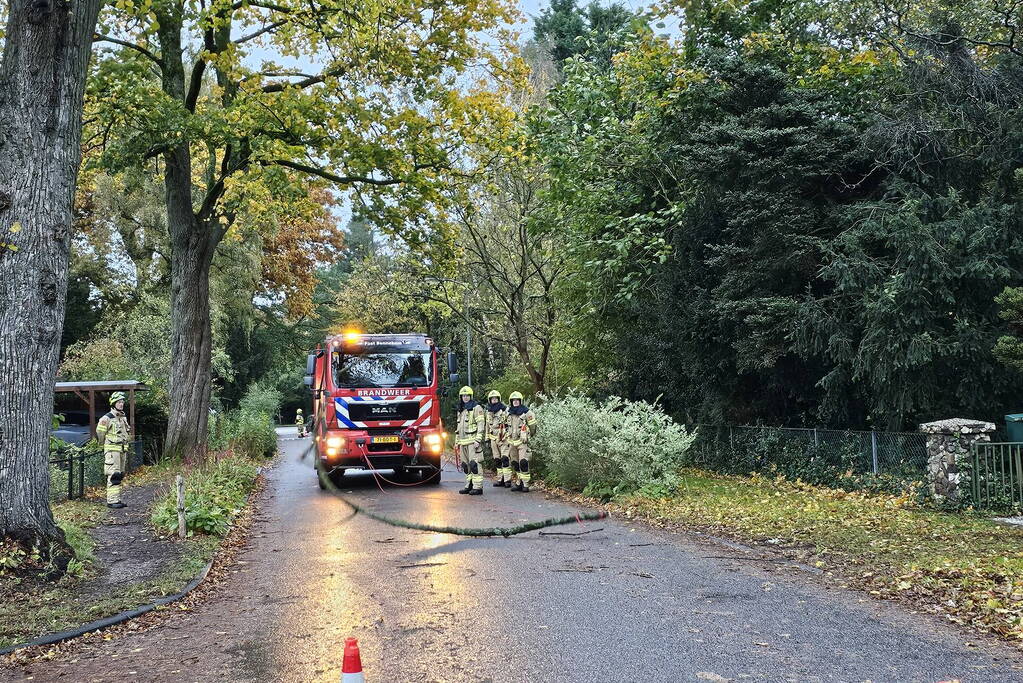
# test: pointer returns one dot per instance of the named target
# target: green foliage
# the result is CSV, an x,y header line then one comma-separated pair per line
x,y
593,33
249,431
612,447
791,232
214,495
1009,348
835,463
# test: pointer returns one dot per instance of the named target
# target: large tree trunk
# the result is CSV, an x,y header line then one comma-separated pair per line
x,y
192,249
191,335
42,80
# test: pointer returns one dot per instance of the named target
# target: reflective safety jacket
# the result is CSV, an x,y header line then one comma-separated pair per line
x,y
497,423
113,431
521,425
471,424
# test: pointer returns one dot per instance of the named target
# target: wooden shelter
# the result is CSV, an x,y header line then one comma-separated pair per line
x,y
87,392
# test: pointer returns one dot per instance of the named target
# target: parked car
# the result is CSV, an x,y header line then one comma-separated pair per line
x,y
74,429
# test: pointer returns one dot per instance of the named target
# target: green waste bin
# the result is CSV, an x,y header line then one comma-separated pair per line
x,y
1014,427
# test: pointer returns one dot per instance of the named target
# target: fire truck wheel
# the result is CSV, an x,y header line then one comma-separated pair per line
x,y
336,476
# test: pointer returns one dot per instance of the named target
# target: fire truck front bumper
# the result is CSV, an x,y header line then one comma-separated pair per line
x,y
364,449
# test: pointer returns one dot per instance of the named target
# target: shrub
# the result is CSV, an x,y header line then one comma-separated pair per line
x,y
214,494
249,430
608,449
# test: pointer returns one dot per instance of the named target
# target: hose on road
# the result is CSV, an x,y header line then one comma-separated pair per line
x,y
505,531
454,530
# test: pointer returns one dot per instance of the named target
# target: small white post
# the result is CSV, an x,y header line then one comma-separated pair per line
x,y
873,451
181,506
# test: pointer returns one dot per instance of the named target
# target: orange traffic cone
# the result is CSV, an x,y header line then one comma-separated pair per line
x,y
351,669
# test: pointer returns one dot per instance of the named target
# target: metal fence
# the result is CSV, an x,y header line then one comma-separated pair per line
x,y
745,449
994,475
74,470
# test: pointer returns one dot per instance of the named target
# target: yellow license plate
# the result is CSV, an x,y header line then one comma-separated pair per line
x,y
385,439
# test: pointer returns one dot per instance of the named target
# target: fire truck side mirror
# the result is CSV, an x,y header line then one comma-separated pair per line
x,y
452,363
310,365
308,382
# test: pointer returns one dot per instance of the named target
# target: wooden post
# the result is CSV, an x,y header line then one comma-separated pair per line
x,y
131,419
181,506
92,413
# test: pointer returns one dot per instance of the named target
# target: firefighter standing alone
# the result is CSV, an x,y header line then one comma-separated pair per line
x,y
497,434
469,441
114,434
521,426
300,423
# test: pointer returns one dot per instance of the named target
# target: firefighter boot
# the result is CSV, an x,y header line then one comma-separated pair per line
x,y
468,479
476,479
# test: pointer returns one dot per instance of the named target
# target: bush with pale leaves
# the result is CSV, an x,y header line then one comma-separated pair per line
x,y
608,448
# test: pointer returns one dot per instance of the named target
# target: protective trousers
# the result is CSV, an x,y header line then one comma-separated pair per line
x,y
472,463
499,452
113,467
518,455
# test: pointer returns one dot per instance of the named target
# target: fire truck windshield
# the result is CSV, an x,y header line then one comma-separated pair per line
x,y
381,369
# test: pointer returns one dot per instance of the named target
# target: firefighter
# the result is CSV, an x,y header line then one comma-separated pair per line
x,y
521,426
497,434
300,423
114,435
469,440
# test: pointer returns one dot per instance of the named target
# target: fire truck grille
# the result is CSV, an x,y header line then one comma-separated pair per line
x,y
362,411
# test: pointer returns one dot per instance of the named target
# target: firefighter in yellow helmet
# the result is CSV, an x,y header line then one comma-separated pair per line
x,y
472,424
114,434
300,423
497,434
521,426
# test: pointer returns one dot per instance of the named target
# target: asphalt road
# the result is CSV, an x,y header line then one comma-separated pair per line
x,y
621,604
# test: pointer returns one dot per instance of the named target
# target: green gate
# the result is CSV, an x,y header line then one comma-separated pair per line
x,y
996,475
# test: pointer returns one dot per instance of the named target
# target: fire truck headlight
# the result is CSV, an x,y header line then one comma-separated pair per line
x,y
434,442
331,452
334,441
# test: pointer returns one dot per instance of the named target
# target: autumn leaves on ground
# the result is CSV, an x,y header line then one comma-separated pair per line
x,y
961,566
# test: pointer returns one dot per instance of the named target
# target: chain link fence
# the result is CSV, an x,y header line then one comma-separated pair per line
x,y
76,469
823,456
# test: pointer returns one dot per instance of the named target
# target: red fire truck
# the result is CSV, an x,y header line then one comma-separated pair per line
x,y
376,405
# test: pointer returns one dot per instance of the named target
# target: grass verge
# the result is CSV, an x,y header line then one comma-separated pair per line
x,y
962,566
31,606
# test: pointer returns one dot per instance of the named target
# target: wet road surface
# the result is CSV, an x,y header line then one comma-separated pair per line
x,y
622,604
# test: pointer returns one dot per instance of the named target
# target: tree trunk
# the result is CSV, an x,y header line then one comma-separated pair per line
x,y
534,374
192,247
42,80
191,334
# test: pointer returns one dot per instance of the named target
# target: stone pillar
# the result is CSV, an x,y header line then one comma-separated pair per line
x,y
948,442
